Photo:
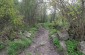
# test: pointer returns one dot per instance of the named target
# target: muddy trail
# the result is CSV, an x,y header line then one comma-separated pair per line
x,y
41,45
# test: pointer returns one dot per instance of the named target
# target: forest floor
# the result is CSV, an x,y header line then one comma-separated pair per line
x,y
41,45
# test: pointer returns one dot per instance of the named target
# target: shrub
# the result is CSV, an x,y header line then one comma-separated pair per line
x,y
48,25
52,31
56,42
16,46
1,46
72,47
32,30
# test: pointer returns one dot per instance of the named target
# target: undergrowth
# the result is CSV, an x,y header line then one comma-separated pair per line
x,y
56,42
52,31
72,47
16,46
2,46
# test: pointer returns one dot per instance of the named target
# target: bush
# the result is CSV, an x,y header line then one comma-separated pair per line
x,y
52,31
1,46
47,25
56,42
16,46
72,47
32,30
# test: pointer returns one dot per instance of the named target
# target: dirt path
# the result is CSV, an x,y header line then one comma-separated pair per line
x,y
41,45
3,52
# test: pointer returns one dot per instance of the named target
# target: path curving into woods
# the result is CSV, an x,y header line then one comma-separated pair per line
x,y
41,45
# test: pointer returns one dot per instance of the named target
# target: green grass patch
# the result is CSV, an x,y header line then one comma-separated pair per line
x,y
72,47
33,30
29,54
48,25
16,46
2,46
52,31
56,42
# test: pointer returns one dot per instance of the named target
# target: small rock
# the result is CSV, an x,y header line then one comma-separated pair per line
x,y
63,35
63,45
27,34
42,43
54,36
81,46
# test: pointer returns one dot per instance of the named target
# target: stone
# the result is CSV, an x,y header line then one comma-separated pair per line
x,y
54,35
81,46
42,43
27,34
63,35
63,45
